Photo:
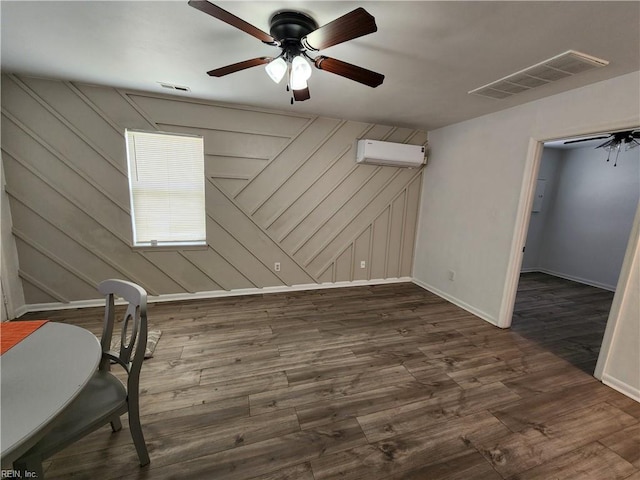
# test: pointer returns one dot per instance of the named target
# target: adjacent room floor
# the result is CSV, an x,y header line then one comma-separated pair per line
x,y
385,382
565,317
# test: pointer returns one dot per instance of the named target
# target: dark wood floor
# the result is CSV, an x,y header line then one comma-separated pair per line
x,y
387,382
565,317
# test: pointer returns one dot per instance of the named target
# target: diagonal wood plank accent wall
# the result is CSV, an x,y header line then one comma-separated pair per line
x,y
280,187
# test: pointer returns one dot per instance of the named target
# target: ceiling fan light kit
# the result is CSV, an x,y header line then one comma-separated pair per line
x,y
296,34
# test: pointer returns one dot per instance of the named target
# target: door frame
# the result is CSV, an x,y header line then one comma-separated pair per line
x,y
523,217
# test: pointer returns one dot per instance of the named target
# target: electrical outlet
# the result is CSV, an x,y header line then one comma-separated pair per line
x,y
452,275
363,264
276,266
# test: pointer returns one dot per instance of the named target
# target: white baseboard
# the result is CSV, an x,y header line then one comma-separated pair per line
x,y
621,386
529,270
584,281
456,301
173,297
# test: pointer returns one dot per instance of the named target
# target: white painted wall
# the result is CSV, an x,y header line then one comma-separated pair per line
x,y
472,207
589,216
535,234
472,185
469,198
619,360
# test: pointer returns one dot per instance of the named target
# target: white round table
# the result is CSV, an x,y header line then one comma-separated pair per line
x,y
39,377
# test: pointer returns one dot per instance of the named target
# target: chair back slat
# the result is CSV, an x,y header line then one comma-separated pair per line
x,y
107,330
128,338
133,335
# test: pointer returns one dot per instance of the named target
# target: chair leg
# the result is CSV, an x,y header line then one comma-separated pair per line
x,y
116,424
137,435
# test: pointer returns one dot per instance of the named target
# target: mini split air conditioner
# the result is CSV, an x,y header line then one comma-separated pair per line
x,y
374,152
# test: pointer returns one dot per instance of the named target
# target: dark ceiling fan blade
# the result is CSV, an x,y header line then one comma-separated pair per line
x,y
586,139
236,67
613,141
231,19
347,70
301,95
352,25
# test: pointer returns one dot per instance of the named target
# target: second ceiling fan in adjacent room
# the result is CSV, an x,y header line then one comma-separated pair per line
x,y
616,141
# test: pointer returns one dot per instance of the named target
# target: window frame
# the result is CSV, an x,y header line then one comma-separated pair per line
x,y
132,171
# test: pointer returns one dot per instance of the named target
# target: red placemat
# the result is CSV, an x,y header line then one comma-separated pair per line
x,y
12,333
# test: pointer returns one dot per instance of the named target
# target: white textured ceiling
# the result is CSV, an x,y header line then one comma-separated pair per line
x,y
432,53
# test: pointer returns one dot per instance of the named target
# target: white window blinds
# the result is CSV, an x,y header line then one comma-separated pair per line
x,y
166,185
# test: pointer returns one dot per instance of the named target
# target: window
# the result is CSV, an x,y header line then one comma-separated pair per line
x,y
166,186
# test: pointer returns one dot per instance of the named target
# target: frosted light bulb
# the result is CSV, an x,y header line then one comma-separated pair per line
x,y
276,69
300,73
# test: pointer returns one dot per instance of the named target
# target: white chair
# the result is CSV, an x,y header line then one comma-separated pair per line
x,y
105,398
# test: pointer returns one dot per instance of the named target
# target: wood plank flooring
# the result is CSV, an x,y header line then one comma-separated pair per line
x,y
385,382
565,317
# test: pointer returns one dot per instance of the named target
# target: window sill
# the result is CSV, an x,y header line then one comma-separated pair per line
x,y
169,248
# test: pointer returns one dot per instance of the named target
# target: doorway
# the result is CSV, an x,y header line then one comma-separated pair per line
x,y
578,230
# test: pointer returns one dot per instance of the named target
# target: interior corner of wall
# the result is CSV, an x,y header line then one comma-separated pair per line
x,y
12,293
457,302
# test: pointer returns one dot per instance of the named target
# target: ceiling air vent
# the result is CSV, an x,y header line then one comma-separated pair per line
x,y
174,87
561,66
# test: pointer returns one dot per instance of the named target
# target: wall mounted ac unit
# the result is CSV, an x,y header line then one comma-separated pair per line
x,y
374,152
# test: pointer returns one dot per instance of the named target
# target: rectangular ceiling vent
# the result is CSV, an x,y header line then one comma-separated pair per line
x,y
174,87
561,66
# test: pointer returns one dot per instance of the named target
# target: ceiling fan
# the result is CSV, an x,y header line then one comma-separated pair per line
x,y
297,34
615,142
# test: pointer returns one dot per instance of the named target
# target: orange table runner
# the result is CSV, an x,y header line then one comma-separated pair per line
x,y
12,333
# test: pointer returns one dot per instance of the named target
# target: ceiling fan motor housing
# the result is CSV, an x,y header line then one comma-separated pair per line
x,y
288,28
291,26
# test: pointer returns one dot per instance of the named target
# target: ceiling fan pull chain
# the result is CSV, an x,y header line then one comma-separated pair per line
x,y
289,90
